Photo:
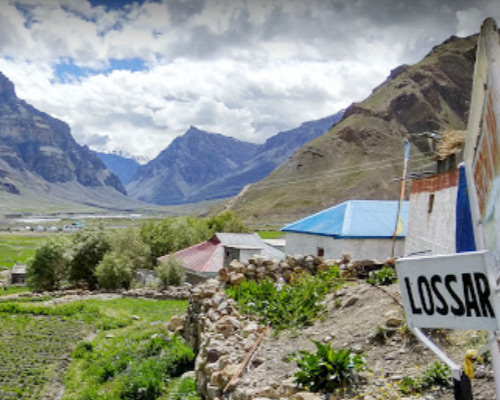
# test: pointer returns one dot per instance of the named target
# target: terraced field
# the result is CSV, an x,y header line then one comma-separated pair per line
x,y
68,348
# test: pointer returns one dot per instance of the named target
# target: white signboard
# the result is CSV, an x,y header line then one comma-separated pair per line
x,y
449,291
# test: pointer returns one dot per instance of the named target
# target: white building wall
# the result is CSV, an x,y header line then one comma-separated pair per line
x,y
358,249
432,232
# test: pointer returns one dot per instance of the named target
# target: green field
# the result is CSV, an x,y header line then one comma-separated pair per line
x,y
89,347
18,248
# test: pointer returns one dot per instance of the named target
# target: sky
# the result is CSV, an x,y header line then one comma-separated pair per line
x,y
131,76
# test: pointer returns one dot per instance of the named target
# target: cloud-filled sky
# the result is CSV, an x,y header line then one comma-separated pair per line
x,y
133,75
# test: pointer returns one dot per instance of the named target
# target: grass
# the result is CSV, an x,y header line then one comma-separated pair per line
x,y
35,337
18,248
271,234
14,290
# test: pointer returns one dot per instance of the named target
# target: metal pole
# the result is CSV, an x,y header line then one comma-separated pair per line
x,y
401,196
462,389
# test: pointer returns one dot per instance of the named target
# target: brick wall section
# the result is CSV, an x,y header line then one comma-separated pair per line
x,y
436,182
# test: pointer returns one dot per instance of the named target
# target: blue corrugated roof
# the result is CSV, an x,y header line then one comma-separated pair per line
x,y
354,218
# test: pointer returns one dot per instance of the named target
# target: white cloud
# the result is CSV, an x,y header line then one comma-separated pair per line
x,y
247,69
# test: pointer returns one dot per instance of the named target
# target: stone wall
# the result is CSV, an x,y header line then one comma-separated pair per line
x,y
225,339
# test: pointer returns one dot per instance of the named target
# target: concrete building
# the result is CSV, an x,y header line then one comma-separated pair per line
x,y
361,228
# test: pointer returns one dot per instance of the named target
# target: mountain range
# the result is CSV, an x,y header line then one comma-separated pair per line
x,y
41,161
201,166
361,156
356,154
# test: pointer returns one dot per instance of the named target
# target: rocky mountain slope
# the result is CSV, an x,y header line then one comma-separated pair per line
x,y
41,161
123,167
203,166
361,155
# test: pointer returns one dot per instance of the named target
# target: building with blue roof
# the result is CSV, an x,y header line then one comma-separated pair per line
x,y
361,228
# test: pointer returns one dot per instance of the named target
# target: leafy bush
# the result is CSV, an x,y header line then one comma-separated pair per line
x,y
114,272
50,265
289,306
327,369
170,272
383,277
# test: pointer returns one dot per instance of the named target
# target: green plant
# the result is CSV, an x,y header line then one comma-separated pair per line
x,y
89,248
114,272
327,369
436,374
287,306
49,267
170,272
184,389
408,386
383,277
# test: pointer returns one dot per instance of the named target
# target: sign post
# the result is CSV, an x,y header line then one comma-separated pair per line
x,y
461,290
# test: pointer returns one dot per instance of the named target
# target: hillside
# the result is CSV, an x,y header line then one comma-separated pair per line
x,y
200,166
43,167
123,167
361,155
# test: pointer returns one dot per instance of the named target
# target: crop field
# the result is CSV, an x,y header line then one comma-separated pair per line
x,y
18,248
51,350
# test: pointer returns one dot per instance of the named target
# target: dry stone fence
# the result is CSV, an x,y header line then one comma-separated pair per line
x,y
225,339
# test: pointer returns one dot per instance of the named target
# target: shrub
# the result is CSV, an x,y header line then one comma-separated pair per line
x,y
327,369
170,272
50,265
383,277
114,272
287,306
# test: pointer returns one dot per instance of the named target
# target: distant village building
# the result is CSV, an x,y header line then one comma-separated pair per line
x,y
18,274
361,228
204,260
74,227
433,199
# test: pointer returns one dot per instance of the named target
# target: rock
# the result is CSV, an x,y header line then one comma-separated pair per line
x,y
249,328
236,278
213,355
223,275
351,301
227,325
306,396
393,322
268,392
175,322
110,336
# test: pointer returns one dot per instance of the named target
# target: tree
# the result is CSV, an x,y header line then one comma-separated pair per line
x,y
128,244
114,272
49,267
170,272
90,246
226,221
172,234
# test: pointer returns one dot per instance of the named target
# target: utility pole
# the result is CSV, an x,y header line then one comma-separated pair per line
x,y
399,223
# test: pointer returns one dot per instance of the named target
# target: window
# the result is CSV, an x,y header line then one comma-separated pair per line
x,y
431,203
320,252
